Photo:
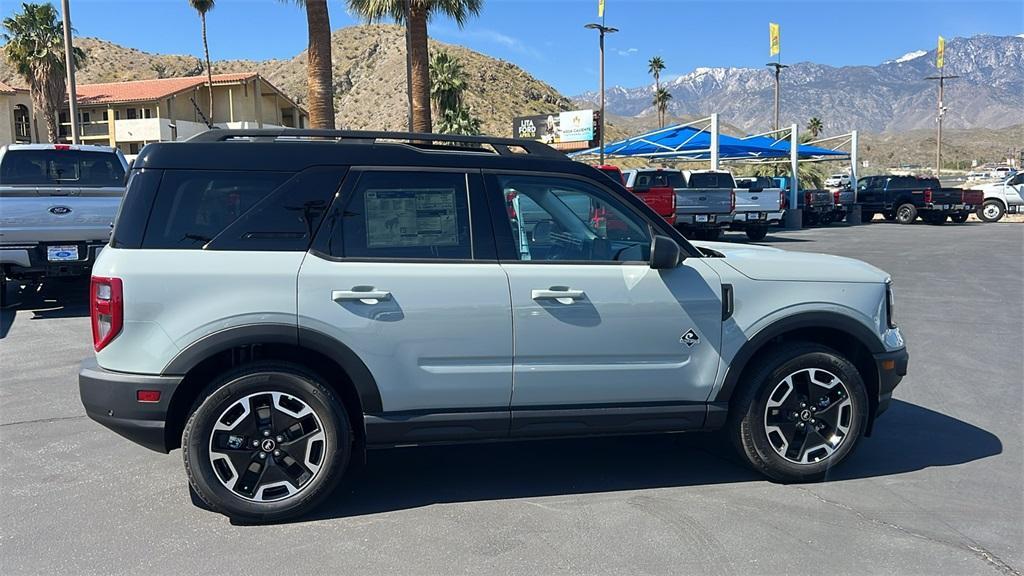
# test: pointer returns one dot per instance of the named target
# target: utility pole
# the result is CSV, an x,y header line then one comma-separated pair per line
x,y
778,70
938,119
69,65
602,30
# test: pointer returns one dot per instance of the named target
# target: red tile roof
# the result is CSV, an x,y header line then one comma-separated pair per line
x,y
8,89
147,90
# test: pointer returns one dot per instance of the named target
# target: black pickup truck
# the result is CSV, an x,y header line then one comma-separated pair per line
x,y
904,198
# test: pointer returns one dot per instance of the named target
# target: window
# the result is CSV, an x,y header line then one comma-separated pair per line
x,y
645,180
53,167
710,180
404,215
569,220
132,113
1017,180
193,207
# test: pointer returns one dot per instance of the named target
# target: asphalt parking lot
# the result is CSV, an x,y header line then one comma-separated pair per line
x,y
936,490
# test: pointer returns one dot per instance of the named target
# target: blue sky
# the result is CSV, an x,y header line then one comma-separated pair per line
x,y
547,38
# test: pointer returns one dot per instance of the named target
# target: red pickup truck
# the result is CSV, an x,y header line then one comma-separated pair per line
x,y
660,196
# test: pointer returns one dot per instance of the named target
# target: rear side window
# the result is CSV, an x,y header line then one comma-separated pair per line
x,y
193,206
61,167
711,180
405,215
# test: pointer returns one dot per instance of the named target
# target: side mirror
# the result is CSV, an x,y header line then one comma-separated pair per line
x,y
664,253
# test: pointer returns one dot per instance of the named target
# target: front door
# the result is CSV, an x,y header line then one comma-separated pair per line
x,y
401,276
595,326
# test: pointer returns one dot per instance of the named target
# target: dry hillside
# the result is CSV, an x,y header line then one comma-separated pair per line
x,y
369,76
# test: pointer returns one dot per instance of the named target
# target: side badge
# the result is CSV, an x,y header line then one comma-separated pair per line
x,y
690,338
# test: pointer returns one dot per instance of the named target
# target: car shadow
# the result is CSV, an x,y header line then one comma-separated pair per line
x,y
57,300
907,438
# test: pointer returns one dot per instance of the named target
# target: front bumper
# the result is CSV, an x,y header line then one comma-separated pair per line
x,y
110,398
892,367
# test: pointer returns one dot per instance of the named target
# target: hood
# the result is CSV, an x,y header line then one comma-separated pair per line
x,y
765,263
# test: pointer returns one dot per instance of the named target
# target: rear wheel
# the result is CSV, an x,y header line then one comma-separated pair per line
x,y
800,413
269,442
756,233
991,211
811,219
906,213
959,217
827,218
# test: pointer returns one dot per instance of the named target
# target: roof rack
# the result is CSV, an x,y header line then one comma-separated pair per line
x,y
502,146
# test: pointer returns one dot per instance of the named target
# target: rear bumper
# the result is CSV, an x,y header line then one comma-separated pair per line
x,y
110,399
31,259
892,367
711,220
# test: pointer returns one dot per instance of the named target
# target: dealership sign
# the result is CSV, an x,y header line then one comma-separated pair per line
x,y
576,126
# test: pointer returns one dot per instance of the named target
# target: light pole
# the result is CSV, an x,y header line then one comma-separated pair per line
x,y
941,112
778,70
602,30
69,64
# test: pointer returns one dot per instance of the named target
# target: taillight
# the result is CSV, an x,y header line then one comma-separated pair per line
x,y
106,298
783,202
835,197
732,202
928,195
807,199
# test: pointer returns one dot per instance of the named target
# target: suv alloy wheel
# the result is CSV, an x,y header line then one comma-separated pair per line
x,y
800,413
269,441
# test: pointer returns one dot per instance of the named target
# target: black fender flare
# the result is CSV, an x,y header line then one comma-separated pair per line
x,y
289,334
802,320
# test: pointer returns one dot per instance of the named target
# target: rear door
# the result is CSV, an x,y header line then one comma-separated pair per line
x,y
595,326
405,277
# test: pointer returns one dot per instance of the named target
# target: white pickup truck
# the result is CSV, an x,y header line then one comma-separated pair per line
x,y
759,204
57,204
1002,198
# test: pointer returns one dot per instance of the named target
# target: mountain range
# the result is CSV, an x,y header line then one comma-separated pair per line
x,y
891,97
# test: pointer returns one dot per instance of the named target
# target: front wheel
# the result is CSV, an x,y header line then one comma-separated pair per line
x,y
269,442
757,233
906,213
800,413
991,211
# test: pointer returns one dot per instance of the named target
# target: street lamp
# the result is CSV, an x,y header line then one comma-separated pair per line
x,y
602,30
778,70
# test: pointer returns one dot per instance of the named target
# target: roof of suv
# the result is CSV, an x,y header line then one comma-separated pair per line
x,y
294,150
82,147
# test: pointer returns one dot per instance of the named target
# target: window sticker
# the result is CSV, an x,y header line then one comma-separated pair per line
x,y
423,217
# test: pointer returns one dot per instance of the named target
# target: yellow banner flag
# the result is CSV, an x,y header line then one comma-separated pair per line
x,y
940,54
600,8
773,38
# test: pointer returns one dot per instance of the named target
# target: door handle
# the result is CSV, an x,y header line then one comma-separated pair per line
x,y
558,293
364,296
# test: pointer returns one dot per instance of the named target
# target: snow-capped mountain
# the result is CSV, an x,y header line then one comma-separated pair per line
x,y
893,96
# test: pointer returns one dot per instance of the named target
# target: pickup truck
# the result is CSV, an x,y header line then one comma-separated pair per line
x,y
613,172
999,198
904,198
759,204
817,206
57,204
842,200
703,200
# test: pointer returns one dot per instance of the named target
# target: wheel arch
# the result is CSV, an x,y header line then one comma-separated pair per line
x,y
220,351
842,333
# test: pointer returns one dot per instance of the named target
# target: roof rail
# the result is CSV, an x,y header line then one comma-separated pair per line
x,y
502,146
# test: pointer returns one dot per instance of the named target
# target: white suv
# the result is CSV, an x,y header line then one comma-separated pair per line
x,y
837,181
278,306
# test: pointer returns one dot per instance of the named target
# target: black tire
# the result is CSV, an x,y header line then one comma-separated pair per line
x,y
756,233
325,431
991,211
750,414
810,219
906,213
866,217
960,217
827,218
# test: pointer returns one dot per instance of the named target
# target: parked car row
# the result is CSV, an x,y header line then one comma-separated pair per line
x,y
907,198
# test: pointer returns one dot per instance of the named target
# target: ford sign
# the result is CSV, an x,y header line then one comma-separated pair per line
x,y
60,210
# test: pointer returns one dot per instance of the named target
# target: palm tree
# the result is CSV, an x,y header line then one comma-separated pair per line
x,y
661,98
34,45
420,12
814,127
458,121
319,75
447,83
202,7
654,67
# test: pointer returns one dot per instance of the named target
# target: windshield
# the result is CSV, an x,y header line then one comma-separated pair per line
x,y
55,167
659,180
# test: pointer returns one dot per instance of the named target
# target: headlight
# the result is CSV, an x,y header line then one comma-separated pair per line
x,y
889,305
